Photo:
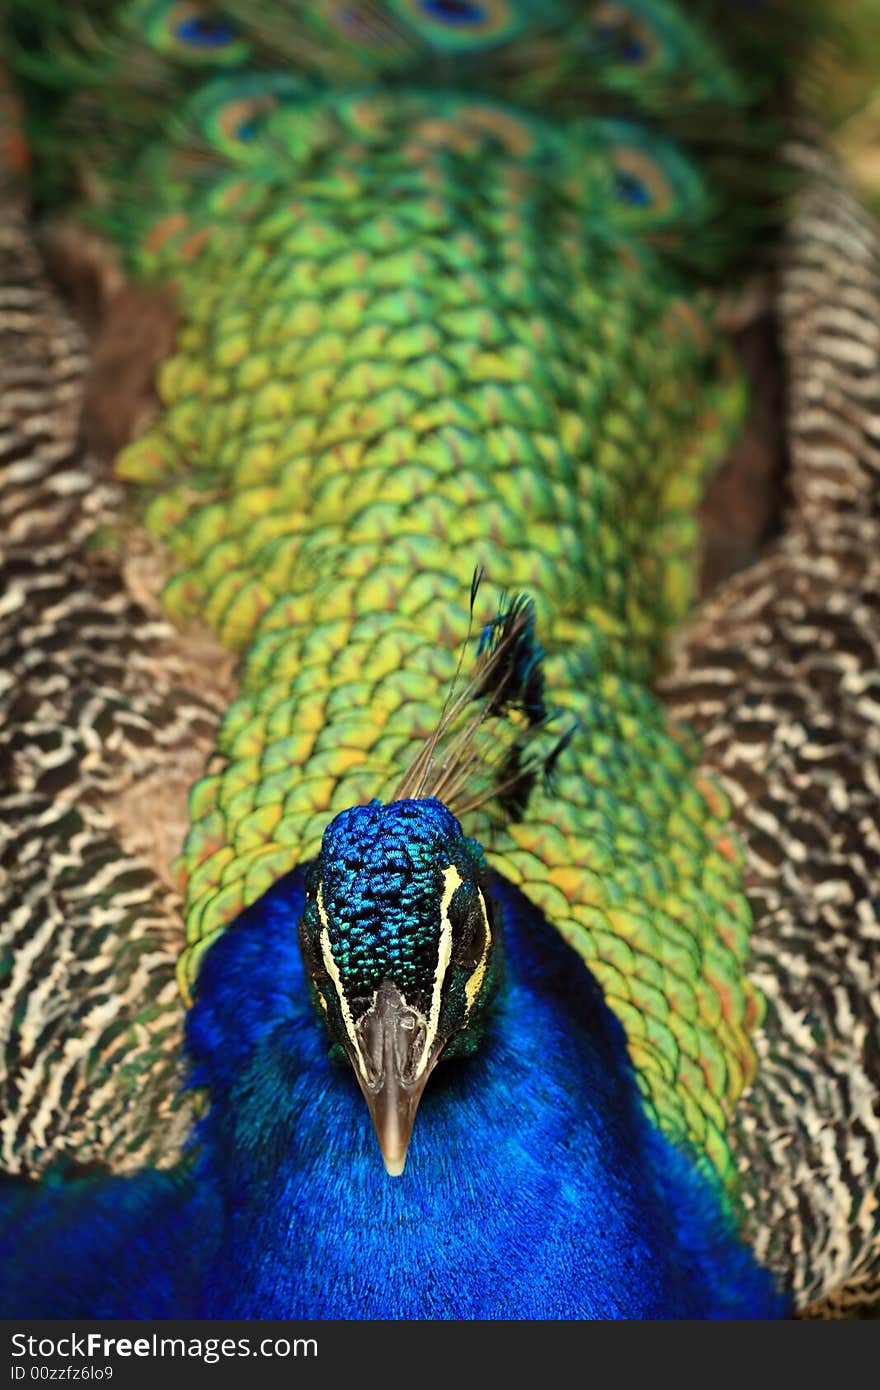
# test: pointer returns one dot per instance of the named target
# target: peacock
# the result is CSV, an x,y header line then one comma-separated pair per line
x,y
518,959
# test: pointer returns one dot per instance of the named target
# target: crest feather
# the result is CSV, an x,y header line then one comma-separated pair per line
x,y
487,743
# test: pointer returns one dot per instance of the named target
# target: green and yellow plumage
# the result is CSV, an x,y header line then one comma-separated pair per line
x,y
356,375
469,336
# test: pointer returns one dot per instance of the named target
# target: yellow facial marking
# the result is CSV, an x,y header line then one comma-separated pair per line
x,y
475,982
451,880
333,971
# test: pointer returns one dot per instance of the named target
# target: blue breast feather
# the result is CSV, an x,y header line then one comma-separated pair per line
x,y
535,1186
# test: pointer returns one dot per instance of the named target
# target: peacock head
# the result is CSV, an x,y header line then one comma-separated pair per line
x,y
400,951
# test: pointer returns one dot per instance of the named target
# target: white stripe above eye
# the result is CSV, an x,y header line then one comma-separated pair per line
x,y
333,971
452,879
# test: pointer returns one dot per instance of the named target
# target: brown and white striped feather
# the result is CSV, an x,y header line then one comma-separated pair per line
x,y
780,673
100,733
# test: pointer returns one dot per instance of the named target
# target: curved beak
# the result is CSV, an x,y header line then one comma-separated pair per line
x,y
392,1039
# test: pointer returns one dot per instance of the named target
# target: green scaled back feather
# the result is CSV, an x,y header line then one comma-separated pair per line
x,y
423,330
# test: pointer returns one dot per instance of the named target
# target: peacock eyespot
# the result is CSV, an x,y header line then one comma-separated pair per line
x,y
454,11
462,24
631,190
206,31
624,36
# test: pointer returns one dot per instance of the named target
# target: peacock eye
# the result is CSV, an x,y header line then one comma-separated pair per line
x,y
310,959
456,12
470,931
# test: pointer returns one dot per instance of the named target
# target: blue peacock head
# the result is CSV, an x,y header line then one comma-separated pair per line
x,y
400,952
